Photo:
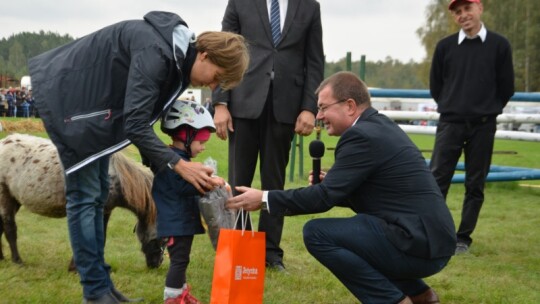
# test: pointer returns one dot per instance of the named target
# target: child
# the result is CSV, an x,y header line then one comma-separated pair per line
x,y
189,124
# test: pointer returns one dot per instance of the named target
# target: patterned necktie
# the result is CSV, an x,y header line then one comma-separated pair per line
x,y
275,23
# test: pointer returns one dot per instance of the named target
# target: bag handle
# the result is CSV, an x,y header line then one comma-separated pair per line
x,y
244,221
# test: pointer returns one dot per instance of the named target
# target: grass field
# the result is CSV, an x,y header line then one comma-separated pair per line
x,y
503,265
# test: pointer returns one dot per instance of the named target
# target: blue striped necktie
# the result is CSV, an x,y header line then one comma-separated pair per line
x,y
275,22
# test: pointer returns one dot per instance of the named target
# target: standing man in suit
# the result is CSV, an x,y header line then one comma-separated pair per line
x,y
276,98
472,80
402,230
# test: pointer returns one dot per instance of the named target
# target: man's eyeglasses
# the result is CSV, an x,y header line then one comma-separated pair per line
x,y
324,108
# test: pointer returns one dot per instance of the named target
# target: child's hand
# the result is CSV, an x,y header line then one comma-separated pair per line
x,y
216,180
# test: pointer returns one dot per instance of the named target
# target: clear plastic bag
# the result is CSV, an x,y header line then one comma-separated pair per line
x,y
214,213
212,163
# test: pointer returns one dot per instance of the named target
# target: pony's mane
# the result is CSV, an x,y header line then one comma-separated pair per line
x,y
136,181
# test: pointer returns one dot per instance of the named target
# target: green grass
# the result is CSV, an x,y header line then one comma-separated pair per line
x,y
503,265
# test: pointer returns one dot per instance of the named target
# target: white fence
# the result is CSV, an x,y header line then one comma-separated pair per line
x,y
434,116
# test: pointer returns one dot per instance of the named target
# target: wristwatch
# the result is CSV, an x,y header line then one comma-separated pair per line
x,y
171,165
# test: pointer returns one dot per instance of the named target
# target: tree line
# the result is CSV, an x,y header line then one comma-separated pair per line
x,y
18,48
517,20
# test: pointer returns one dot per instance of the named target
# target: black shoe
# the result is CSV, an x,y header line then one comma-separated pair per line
x,y
461,248
276,266
122,298
104,299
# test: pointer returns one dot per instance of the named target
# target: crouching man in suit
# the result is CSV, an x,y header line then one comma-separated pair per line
x,y
402,231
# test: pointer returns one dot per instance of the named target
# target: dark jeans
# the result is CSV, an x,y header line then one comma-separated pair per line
x,y
476,140
358,253
86,193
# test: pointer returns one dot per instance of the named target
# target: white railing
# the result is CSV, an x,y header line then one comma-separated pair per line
x,y
434,116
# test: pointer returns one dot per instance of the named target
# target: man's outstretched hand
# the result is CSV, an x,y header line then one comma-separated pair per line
x,y
250,199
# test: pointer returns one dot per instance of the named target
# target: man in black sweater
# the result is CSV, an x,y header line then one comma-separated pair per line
x,y
471,79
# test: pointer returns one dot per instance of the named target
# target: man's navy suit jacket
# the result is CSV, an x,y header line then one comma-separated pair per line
x,y
379,171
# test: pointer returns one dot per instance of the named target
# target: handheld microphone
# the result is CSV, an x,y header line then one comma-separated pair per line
x,y
316,151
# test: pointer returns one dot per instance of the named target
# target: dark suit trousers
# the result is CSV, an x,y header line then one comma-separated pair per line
x,y
358,253
270,140
476,140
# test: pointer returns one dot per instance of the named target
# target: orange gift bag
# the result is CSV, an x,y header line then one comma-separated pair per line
x,y
239,266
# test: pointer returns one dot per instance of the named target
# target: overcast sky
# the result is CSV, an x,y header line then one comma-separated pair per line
x,y
376,29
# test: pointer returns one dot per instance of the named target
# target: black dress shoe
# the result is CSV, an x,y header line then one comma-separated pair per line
x,y
461,248
277,266
122,298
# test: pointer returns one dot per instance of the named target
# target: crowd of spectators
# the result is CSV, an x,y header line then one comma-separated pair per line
x,y
17,102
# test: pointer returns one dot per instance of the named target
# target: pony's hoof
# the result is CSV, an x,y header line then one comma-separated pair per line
x,y
72,268
17,261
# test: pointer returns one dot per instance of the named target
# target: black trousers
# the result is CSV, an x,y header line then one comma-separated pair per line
x,y
179,248
476,140
270,141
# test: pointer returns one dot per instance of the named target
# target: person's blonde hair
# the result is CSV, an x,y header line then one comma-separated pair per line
x,y
228,51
